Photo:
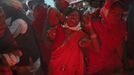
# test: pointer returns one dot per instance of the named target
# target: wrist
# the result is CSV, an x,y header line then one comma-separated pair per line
x,y
93,36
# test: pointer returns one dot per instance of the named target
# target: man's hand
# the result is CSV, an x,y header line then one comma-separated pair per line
x,y
11,59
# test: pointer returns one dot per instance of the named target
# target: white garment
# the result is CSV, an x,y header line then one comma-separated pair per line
x,y
19,26
76,28
36,65
73,1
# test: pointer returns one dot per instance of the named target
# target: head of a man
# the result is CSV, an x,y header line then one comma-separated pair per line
x,y
62,5
96,3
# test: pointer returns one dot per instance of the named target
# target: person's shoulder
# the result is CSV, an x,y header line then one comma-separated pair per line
x,y
53,10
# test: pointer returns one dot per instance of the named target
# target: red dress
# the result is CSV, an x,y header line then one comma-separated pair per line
x,y
43,30
67,59
112,15
111,32
5,70
38,25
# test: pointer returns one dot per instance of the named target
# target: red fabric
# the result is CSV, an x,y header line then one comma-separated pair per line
x,y
39,21
2,25
52,33
54,18
116,26
106,57
111,31
4,70
114,23
59,39
38,25
85,42
67,59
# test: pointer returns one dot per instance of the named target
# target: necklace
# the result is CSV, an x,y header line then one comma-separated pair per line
x,y
76,28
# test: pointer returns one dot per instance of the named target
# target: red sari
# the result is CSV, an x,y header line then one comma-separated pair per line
x,y
111,32
53,17
43,31
111,13
106,58
38,25
67,59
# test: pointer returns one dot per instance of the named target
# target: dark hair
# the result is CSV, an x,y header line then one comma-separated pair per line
x,y
39,1
101,2
70,10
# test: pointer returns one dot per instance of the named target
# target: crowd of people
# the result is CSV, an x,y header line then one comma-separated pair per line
x,y
76,37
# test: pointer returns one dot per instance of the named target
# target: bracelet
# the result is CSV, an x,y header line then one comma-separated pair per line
x,y
93,36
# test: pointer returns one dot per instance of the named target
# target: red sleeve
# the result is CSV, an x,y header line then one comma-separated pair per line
x,y
52,33
88,24
55,17
60,37
85,42
38,23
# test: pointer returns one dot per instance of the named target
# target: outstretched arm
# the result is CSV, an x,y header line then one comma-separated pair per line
x,y
91,33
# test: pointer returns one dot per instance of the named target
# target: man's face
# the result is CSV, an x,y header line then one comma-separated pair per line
x,y
61,4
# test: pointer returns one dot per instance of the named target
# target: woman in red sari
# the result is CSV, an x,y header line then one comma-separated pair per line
x,y
47,20
67,59
111,32
112,14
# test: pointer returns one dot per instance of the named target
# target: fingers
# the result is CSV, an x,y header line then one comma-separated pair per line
x,y
18,53
11,59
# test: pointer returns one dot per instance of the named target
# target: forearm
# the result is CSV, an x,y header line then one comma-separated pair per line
x,y
95,42
93,36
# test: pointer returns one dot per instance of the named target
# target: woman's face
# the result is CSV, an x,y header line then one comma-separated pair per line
x,y
73,19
